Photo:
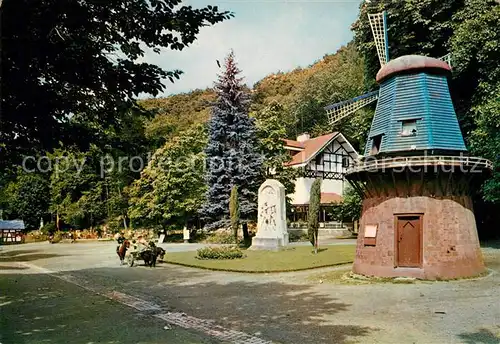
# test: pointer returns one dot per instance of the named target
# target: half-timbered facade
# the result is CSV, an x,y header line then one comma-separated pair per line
x,y
328,157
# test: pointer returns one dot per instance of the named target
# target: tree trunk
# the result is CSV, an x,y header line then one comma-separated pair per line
x,y
125,222
315,242
235,233
246,235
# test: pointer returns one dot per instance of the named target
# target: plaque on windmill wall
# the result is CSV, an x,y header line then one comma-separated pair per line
x,y
370,235
371,231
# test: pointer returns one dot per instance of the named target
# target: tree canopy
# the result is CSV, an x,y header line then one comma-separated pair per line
x,y
233,156
62,58
171,188
72,72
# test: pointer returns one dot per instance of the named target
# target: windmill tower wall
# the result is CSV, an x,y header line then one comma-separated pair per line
x,y
416,179
425,99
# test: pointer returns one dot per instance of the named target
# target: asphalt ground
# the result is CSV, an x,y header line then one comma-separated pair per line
x,y
280,308
42,309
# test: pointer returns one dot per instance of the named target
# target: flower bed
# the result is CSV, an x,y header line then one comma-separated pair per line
x,y
227,252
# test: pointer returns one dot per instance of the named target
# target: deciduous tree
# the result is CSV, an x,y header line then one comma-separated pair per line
x,y
271,126
171,188
62,58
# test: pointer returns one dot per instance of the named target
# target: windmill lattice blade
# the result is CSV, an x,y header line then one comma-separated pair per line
x,y
338,111
446,58
379,29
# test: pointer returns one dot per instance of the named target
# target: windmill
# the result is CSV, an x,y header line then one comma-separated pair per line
x,y
378,25
416,177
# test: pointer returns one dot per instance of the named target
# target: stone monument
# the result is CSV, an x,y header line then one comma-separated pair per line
x,y
272,231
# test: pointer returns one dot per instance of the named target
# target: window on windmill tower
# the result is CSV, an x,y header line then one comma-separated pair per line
x,y
409,127
376,142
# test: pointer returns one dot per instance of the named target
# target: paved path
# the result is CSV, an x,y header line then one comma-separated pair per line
x,y
246,308
44,310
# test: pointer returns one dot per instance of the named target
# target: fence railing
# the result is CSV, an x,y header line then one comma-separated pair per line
x,y
380,164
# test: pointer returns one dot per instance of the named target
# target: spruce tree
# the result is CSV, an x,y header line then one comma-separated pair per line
x,y
232,152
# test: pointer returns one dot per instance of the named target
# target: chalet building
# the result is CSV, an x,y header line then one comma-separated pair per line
x,y
328,157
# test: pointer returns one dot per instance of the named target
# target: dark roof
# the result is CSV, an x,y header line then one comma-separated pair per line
x,y
11,224
293,143
409,63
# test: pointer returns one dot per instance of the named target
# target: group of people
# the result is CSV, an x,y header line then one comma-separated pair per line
x,y
136,245
138,248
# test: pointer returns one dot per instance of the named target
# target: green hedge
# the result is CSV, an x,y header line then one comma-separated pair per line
x,y
227,252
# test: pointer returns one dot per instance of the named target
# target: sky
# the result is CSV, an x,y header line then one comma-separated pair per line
x,y
266,36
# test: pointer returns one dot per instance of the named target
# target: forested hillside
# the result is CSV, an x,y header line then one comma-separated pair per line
x,y
302,92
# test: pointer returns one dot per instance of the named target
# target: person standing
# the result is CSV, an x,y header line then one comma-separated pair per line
x,y
120,240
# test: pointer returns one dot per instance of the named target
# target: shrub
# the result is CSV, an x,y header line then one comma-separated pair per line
x,y
220,238
49,228
35,236
228,252
115,224
298,236
57,237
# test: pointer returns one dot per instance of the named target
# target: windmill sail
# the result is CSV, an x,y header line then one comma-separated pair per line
x,y
338,111
446,58
378,24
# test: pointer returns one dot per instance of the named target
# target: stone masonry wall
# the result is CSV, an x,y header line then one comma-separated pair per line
x,y
450,242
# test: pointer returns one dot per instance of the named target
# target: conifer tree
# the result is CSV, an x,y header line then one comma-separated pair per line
x,y
313,215
232,152
234,212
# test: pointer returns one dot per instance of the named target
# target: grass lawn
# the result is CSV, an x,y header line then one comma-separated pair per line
x,y
293,259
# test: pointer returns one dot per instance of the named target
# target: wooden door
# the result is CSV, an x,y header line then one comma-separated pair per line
x,y
409,245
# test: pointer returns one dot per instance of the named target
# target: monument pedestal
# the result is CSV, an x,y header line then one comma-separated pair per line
x,y
270,244
272,233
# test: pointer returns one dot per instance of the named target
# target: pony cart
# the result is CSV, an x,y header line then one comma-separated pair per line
x,y
130,253
149,255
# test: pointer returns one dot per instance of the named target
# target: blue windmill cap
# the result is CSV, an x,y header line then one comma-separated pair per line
x,y
410,63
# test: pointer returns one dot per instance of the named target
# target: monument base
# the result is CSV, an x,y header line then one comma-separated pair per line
x,y
269,244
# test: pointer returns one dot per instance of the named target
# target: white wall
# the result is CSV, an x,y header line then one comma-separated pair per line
x,y
303,189
303,185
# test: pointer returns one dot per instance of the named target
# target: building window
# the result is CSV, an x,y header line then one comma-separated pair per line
x,y
318,159
376,142
409,128
345,161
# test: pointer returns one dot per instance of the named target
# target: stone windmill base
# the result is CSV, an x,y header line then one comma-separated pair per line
x,y
418,224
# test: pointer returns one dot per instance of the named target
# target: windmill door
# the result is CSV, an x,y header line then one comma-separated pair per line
x,y
409,241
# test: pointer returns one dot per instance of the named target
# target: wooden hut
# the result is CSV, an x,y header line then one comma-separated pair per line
x,y
11,232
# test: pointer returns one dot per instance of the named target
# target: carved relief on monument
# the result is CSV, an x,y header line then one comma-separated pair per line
x,y
271,226
268,209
